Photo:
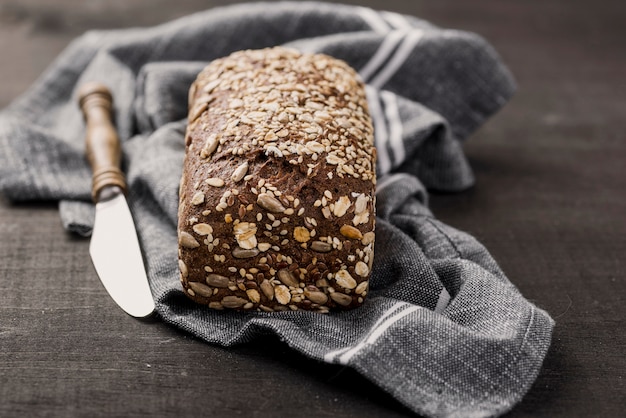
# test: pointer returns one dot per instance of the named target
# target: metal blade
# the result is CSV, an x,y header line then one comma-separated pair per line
x,y
117,258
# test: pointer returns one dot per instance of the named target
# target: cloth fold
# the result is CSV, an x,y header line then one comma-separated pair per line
x,y
443,329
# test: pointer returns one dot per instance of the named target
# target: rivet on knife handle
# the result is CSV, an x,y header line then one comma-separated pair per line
x,y
103,145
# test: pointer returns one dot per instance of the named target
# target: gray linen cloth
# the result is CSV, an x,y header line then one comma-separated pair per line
x,y
443,330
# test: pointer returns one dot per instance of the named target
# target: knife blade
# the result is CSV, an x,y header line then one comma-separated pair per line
x,y
114,246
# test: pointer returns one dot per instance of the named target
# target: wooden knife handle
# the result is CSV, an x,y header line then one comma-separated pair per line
x,y
103,145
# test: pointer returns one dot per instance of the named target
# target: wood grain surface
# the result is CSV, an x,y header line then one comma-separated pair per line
x,y
550,205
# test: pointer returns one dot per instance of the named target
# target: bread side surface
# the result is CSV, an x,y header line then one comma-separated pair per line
x,y
277,194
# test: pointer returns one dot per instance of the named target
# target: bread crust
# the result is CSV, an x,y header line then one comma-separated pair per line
x,y
277,203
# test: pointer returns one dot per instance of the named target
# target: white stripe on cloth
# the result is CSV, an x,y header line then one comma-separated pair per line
x,y
386,321
329,357
373,18
383,182
444,299
392,112
385,49
380,130
411,39
396,20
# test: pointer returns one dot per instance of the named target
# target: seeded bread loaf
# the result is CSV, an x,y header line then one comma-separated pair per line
x,y
277,193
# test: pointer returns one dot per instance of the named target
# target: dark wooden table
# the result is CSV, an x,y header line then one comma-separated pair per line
x,y
550,204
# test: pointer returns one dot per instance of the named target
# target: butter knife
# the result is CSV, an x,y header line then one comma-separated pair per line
x,y
114,246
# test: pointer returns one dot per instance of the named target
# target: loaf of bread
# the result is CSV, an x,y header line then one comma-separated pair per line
x,y
277,193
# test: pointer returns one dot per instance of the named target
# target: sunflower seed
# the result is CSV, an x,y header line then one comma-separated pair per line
x,y
282,133
361,288
258,115
321,247
201,289
267,289
322,283
235,103
183,268
192,93
233,302
316,296
283,117
216,305
341,299
197,110
333,159
239,252
270,137
315,146
215,182
217,280
240,172
210,86
287,278
270,203
210,146
185,239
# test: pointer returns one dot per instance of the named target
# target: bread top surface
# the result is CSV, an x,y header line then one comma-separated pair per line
x,y
279,175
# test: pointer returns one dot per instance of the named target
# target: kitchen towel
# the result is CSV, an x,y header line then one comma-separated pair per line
x,y
443,330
